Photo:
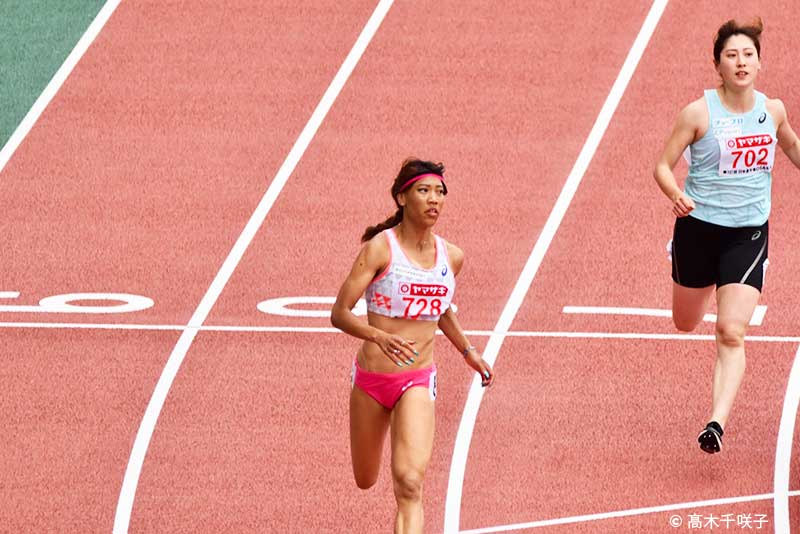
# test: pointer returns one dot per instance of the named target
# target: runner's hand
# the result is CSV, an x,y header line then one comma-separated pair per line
x,y
474,360
682,205
400,351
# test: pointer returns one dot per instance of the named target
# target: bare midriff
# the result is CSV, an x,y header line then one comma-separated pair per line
x,y
372,358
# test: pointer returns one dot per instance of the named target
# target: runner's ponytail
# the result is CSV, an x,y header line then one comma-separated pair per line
x,y
391,222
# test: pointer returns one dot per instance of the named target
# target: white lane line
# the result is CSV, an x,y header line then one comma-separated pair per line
x,y
757,318
464,436
628,513
783,451
94,326
758,315
143,436
330,330
56,82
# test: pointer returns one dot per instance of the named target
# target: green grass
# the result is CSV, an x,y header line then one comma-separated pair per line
x,y
36,36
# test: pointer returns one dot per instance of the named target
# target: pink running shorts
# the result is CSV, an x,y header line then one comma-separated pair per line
x,y
387,388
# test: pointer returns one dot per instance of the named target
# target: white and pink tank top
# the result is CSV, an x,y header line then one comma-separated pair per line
x,y
406,290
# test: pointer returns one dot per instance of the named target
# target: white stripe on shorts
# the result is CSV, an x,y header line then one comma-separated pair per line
x,y
750,270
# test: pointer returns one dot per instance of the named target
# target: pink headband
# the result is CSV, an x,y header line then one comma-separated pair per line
x,y
420,177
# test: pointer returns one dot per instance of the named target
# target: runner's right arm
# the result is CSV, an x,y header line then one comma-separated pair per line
x,y
683,134
372,259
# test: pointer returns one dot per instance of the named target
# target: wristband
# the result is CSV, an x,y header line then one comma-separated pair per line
x,y
466,351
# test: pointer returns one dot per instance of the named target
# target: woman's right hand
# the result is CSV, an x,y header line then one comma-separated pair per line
x,y
682,205
400,351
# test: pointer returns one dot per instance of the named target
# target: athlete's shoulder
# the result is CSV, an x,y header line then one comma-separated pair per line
x,y
776,108
695,113
692,122
376,250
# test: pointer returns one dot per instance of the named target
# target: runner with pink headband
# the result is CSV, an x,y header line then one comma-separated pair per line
x,y
407,276
424,175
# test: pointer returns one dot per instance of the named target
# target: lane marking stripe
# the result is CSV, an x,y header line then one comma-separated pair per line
x,y
143,436
330,330
757,318
464,436
783,450
56,82
627,513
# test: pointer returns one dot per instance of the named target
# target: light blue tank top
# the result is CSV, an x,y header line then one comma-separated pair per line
x,y
730,174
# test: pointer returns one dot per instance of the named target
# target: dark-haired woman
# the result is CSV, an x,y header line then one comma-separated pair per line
x,y
719,242
407,274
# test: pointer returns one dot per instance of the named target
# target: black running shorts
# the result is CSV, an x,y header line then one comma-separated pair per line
x,y
704,254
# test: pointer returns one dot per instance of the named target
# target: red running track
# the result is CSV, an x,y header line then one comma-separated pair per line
x,y
138,178
161,146
620,416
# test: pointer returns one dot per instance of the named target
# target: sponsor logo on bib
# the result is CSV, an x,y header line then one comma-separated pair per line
x,y
750,141
428,290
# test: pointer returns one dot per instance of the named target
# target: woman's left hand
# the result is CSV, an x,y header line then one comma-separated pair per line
x,y
474,360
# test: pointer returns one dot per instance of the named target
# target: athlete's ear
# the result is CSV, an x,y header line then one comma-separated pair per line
x,y
401,199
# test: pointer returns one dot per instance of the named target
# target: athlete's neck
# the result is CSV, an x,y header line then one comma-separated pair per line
x,y
737,100
418,237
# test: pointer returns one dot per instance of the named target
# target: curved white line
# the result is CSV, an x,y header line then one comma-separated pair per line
x,y
455,483
629,513
783,450
140,445
623,513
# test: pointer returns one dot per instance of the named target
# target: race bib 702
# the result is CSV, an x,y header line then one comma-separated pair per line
x,y
746,154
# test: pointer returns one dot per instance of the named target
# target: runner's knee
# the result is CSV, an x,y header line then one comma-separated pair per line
x,y
730,333
365,480
684,323
408,485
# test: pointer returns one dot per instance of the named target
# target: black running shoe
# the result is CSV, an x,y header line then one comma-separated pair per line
x,y
710,438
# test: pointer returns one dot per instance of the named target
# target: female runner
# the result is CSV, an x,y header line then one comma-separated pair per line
x,y
720,238
407,274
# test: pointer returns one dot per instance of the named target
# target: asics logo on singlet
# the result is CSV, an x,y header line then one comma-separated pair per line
x,y
762,118
444,270
756,236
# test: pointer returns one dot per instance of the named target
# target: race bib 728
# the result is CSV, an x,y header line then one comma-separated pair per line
x,y
422,299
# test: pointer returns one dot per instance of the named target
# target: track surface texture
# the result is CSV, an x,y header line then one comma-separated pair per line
x,y
142,172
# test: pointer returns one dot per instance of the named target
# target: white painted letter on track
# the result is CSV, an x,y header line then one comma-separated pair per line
x,y
117,303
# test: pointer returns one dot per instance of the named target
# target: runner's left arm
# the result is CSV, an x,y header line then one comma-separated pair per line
x,y
787,138
451,328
